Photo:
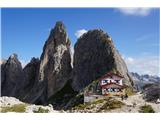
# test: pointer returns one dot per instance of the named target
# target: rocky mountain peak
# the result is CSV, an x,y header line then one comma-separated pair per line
x,y
34,60
14,56
55,62
58,34
13,59
59,26
12,76
94,56
96,32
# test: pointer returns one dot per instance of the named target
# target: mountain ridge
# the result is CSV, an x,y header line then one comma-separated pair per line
x,y
94,55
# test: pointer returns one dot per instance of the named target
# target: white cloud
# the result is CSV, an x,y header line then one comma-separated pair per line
x,y
129,60
79,33
135,11
144,65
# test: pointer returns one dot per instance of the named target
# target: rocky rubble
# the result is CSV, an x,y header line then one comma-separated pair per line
x,y
8,102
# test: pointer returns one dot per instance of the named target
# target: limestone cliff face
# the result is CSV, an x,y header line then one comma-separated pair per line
x,y
31,92
40,79
34,90
2,68
95,55
31,73
12,77
55,61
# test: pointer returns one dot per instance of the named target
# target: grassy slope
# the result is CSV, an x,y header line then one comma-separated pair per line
x,y
15,108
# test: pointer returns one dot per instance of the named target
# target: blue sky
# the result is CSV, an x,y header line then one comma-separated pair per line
x,y
135,32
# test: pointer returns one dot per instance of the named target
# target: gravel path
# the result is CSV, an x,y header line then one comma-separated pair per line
x,y
133,103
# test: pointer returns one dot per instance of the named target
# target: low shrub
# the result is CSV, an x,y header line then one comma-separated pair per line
x,y
41,110
146,109
107,104
129,91
88,105
111,104
80,106
98,101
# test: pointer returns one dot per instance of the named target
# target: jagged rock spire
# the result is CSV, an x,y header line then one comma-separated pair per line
x,y
58,34
55,62
12,77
